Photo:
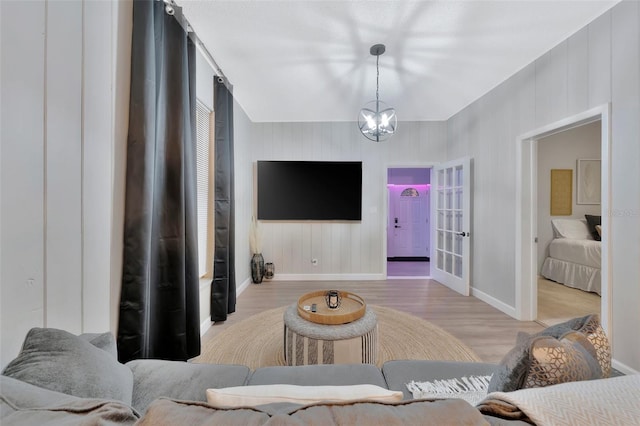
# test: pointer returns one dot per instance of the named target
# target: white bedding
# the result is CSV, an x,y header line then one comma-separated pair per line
x,y
574,263
582,252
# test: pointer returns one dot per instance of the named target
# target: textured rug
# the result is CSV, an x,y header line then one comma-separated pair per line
x,y
258,340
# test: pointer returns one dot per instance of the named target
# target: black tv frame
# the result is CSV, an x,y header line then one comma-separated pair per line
x,y
309,190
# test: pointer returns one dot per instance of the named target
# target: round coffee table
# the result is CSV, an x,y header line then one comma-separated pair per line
x,y
307,343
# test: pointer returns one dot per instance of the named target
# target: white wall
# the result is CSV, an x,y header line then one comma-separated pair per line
x,y
344,250
561,151
598,64
64,102
243,175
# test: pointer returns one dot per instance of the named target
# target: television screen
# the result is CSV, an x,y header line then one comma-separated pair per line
x,y
309,190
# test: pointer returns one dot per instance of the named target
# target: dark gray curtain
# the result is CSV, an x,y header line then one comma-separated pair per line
x,y
223,286
159,308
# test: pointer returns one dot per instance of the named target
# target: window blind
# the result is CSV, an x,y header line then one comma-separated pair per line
x,y
203,143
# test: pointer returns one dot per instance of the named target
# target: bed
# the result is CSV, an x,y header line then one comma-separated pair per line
x,y
574,256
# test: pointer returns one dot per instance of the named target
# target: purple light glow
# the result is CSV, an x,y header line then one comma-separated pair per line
x,y
403,186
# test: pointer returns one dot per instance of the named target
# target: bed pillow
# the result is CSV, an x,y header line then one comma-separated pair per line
x,y
594,221
63,362
575,229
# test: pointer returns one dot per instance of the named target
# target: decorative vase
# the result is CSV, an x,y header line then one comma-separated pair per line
x,y
269,270
257,268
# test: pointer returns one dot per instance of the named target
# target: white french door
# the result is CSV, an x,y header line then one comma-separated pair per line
x,y
451,216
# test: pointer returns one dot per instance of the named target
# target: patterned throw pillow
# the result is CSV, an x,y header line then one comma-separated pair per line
x,y
514,367
596,335
553,361
589,326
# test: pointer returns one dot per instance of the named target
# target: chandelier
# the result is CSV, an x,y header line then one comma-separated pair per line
x,y
376,120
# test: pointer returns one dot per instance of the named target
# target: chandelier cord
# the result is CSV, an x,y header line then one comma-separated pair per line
x,y
377,82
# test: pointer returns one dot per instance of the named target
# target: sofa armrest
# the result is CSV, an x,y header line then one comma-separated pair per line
x,y
180,380
399,373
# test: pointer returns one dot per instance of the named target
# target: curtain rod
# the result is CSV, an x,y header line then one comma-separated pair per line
x,y
171,8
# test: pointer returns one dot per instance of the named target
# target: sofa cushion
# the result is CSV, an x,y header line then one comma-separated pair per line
x,y
24,404
168,412
319,375
398,373
249,396
60,361
180,380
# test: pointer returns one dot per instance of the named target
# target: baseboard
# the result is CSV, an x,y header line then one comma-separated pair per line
x,y
207,323
490,300
205,326
428,277
408,259
623,368
245,284
328,277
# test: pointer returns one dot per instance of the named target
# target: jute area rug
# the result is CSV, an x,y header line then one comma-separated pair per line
x,y
258,340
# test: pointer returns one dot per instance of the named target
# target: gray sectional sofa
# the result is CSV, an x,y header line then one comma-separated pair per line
x,y
60,378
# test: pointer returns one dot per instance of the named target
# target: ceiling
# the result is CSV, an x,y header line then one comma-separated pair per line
x,y
300,60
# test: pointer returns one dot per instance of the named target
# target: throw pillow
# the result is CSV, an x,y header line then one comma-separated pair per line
x,y
599,230
251,396
509,376
60,361
592,221
588,325
553,361
104,341
511,372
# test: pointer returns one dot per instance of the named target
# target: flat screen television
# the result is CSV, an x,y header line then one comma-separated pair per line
x,y
309,190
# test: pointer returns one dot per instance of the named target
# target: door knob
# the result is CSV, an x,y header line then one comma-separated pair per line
x,y
396,226
462,234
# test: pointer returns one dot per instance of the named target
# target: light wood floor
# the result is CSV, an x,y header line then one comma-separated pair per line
x,y
408,269
558,303
486,330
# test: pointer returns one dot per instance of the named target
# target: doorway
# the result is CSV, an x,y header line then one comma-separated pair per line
x,y
526,213
408,222
568,263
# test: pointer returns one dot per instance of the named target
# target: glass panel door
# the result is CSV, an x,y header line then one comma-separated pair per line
x,y
451,204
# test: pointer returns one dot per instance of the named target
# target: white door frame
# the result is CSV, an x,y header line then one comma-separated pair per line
x,y
385,216
526,214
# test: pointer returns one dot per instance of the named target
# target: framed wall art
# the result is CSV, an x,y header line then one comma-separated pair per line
x,y
561,192
588,181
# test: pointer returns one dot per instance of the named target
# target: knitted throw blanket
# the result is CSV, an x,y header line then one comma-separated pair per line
x,y
613,401
472,389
